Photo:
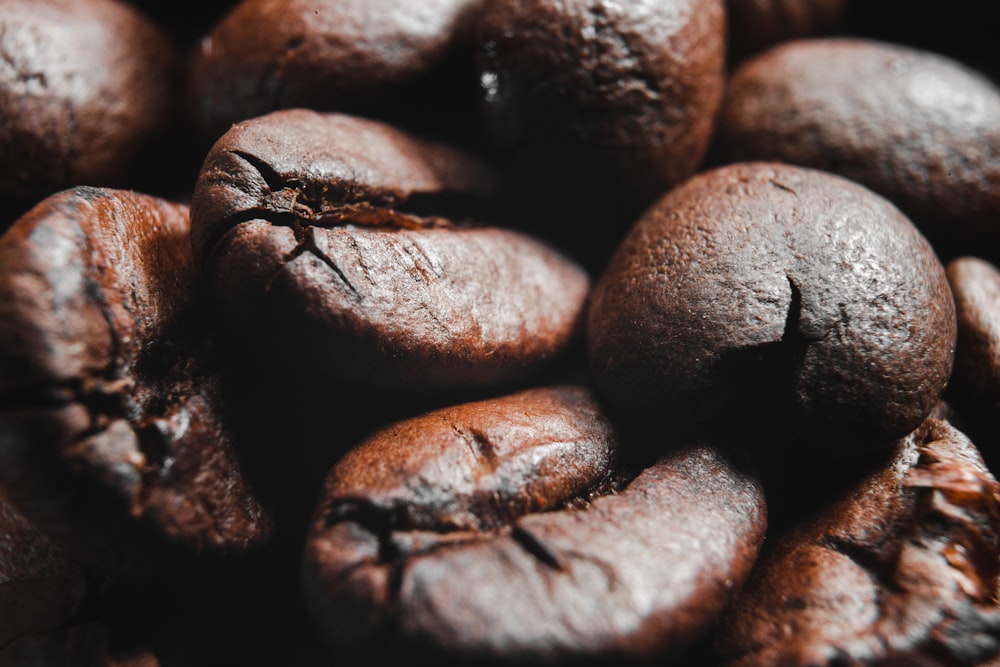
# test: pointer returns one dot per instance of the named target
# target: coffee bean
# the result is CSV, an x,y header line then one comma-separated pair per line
x,y
85,87
504,531
112,440
903,569
762,289
916,127
608,102
976,286
328,242
347,276
378,57
974,388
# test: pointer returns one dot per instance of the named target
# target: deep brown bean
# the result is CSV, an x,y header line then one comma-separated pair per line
x,y
502,531
385,58
918,128
761,289
901,570
757,24
607,102
85,88
112,440
328,242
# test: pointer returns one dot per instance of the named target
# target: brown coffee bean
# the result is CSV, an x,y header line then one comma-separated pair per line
x,y
85,86
976,286
503,531
111,437
377,57
763,289
918,128
974,387
902,570
606,101
325,239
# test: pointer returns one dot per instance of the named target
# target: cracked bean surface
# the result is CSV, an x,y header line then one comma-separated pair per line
x,y
762,289
112,439
901,570
505,530
349,238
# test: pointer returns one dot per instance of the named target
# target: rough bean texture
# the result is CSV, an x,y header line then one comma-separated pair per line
x,y
609,101
762,289
327,237
501,531
902,570
916,127
84,87
111,437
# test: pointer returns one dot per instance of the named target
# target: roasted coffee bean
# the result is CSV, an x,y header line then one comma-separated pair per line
x,y
390,59
916,127
502,531
765,289
347,279
112,441
974,387
976,286
325,239
85,87
604,101
902,570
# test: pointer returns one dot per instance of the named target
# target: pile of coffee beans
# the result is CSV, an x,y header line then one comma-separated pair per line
x,y
504,332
